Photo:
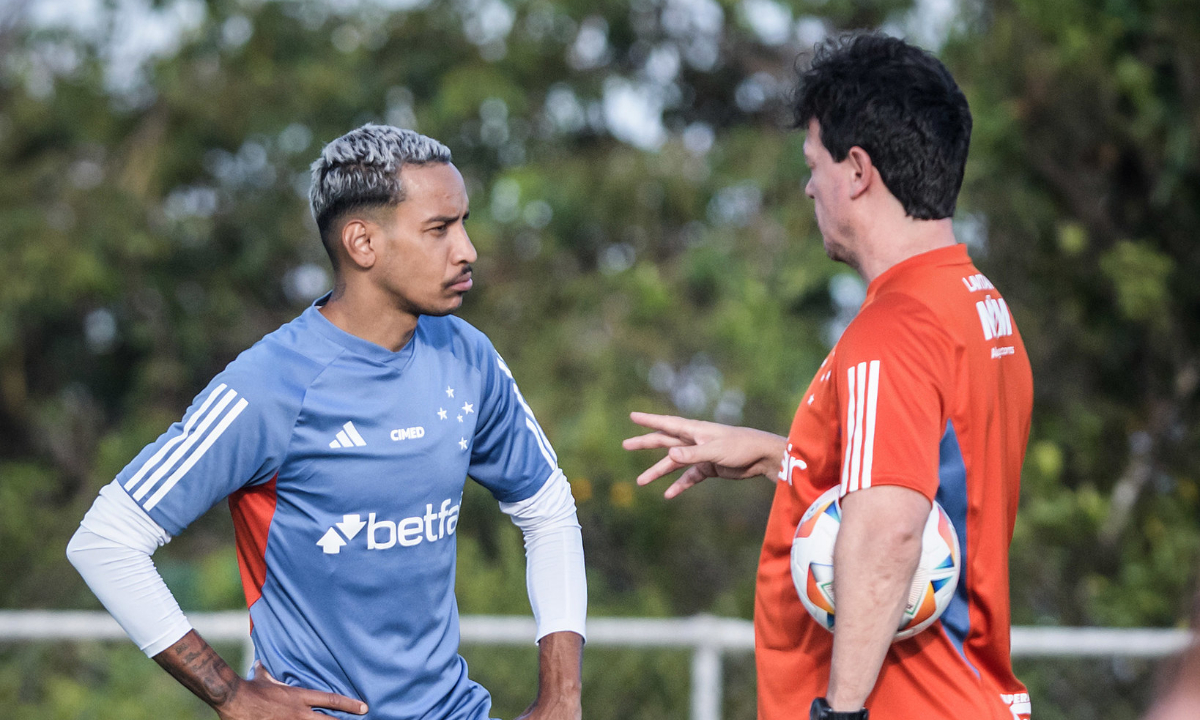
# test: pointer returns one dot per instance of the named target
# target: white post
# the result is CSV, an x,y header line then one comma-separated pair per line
x,y
706,673
706,683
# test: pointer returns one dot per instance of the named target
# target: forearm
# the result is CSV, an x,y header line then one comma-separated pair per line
x,y
560,675
199,668
877,551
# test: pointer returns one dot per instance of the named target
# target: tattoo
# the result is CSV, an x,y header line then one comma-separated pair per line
x,y
199,668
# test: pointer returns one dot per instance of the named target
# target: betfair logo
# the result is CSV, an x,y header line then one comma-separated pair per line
x,y
791,463
384,534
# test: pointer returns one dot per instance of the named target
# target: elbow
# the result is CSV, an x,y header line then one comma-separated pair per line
x,y
75,548
896,541
908,544
905,538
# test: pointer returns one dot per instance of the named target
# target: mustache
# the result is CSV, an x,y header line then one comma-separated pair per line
x,y
466,273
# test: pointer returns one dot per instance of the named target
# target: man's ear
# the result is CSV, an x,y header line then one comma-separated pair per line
x,y
356,241
859,162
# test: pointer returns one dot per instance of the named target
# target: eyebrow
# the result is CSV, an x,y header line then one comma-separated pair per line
x,y
447,219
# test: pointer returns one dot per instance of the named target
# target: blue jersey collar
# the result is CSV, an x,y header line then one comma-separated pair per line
x,y
314,319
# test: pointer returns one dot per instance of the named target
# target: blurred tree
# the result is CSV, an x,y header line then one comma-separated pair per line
x,y
1086,172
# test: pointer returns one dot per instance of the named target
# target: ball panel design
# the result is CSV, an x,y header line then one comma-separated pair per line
x,y
820,593
934,582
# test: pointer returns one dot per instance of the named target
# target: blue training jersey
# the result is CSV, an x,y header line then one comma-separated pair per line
x,y
344,464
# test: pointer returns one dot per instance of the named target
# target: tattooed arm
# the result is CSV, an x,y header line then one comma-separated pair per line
x,y
194,663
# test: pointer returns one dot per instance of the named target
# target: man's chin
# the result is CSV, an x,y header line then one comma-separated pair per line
x,y
837,253
444,308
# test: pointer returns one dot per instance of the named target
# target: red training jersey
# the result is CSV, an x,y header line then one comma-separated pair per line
x,y
928,388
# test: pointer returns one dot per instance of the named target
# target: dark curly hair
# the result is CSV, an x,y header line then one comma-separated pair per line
x,y
899,104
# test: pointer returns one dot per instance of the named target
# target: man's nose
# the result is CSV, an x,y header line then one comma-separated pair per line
x,y
465,249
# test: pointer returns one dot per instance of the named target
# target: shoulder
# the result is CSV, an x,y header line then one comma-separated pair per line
x,y
457,337
277,370
895,312
896,322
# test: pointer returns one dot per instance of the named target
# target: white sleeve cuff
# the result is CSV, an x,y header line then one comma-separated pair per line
x,y
554,574
111,550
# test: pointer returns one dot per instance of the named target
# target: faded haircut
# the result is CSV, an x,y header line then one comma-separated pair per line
x,y
361,171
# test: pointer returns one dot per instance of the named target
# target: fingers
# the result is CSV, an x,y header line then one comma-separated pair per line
x,y
652,440
691,477
692,454
657,470
670,424
333,701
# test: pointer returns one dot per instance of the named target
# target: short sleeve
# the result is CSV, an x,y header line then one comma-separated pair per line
x,y
230,437
511,455
893,367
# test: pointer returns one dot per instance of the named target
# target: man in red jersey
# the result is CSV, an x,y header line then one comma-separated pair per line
x,y
927,395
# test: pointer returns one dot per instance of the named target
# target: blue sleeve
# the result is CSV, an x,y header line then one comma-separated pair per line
x,y
230,437
511,456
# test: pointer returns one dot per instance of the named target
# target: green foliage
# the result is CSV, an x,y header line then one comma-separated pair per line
x,y
149,232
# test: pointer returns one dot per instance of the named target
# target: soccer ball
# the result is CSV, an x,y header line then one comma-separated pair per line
x,y
933,583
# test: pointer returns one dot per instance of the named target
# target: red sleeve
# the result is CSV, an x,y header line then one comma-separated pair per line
x,y
894,371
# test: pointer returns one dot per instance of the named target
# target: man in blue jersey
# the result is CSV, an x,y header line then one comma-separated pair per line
x,y
342,441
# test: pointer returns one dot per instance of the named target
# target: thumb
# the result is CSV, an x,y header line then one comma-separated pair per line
x,y
261,671
688,454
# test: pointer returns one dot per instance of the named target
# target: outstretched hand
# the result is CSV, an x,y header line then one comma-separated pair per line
x,y
706,449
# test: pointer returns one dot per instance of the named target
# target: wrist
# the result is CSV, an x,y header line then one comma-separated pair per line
x,y
820,710
227,696
772,447
564,693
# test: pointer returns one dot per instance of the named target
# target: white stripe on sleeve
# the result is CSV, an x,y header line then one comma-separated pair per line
x,y
187,428
849,432
869,440
860,399
862,390
195,457
187,444
531,422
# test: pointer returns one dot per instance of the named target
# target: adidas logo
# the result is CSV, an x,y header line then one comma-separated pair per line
x,y
347,437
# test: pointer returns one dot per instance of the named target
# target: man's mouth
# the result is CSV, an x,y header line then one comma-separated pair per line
x,y
462,283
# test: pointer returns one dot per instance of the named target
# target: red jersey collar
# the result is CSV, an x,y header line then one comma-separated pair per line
x,y
951,255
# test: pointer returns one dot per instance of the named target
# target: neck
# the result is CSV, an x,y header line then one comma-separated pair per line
x,y
887,245
363,311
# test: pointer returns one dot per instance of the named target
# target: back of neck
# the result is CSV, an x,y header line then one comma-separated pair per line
x,y
885,248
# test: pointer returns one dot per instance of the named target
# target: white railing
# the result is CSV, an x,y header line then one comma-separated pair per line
x,y
706,636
